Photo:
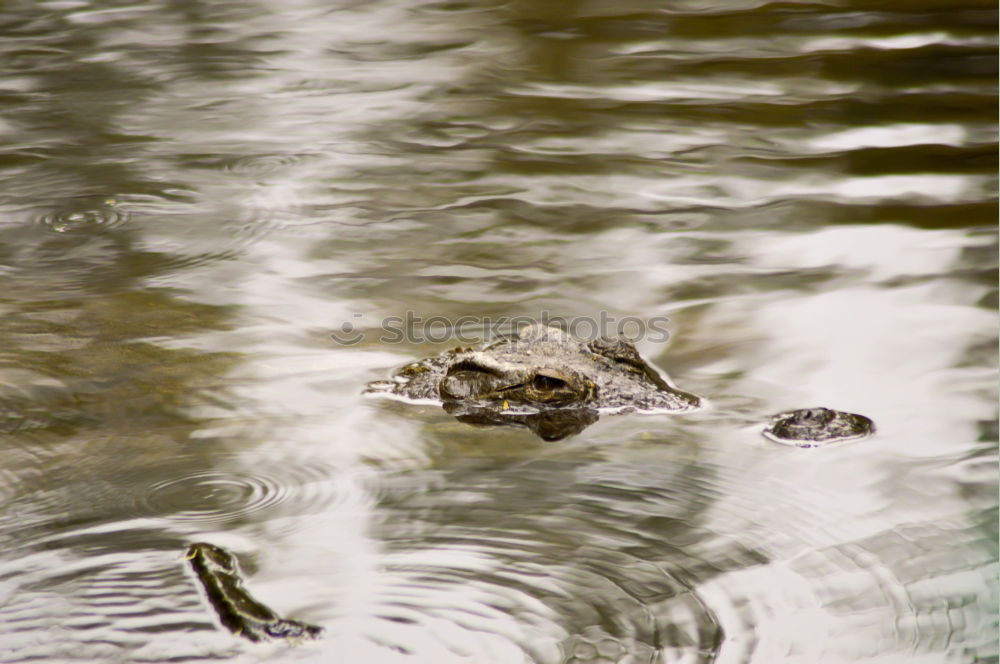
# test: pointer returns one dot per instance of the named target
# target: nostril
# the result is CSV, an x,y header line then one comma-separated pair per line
x,y
813,416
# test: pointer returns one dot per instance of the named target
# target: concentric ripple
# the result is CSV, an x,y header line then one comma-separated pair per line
x,y
221,496
262,164
212,496
101,214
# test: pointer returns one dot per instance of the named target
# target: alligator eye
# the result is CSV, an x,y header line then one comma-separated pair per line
x,y
544,383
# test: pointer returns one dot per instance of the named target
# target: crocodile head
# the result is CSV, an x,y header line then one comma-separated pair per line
x,y
543,378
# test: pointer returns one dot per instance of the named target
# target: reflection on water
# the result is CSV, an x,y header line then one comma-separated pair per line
x,y
195,195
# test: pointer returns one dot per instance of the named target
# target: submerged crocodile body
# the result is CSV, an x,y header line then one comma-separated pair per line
x,y
556,385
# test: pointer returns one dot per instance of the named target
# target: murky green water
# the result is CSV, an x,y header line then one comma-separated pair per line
x,y
194,196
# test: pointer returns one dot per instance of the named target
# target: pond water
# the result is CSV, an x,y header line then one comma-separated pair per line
x,y
219,220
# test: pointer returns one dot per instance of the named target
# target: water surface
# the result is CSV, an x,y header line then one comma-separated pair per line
x,y
195,196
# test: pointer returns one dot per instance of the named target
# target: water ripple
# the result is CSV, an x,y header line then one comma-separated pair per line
x,y
615,556
108,602
460,158
263,164
224,496
213,496
66,221
102,214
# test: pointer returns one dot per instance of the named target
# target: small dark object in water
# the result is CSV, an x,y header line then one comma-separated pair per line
x,y
240,613
812,427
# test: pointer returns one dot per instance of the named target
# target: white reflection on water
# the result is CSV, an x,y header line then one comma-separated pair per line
x,y
930,188
660,91
788,45
887,136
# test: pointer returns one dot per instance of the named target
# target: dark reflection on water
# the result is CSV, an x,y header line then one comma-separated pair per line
x,y
547,425
193,195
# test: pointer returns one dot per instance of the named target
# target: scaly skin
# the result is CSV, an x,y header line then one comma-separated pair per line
x,y
238,611
544,379
543,367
